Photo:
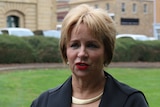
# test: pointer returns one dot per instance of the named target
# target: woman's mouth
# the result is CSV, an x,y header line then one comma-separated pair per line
x,y
81,66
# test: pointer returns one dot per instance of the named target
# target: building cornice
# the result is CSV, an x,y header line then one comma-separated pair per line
x,y
80,1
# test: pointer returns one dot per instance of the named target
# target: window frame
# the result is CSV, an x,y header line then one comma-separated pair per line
x,y
145,8
123,7
134,8
107,6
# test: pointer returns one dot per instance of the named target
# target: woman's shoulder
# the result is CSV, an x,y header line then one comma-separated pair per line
x,y
119,86
125,93
52,94
43,97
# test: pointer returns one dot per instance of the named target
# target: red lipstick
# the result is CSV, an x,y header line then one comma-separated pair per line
x,y
81,66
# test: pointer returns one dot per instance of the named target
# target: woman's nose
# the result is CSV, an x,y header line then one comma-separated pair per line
x,y
82,53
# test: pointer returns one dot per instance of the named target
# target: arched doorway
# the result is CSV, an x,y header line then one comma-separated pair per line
x,y
14,18
12,21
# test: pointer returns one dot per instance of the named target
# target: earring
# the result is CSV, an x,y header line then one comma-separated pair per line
x,y
67,63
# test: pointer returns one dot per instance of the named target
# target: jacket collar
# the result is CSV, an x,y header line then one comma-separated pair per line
x,y
62,97
111,94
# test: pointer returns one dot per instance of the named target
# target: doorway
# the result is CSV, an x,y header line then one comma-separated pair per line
x,y
12,21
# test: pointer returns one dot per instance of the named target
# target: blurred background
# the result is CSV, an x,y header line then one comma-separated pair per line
x,y
131,16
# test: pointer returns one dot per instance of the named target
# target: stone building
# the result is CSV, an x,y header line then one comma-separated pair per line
x,y
157,18
131,16
62,10
157,10
32,14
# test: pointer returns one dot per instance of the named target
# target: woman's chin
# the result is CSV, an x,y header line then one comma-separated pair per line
x,y
81,73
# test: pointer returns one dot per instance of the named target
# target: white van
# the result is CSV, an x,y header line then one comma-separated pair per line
x,y
0,32
48,33
17,31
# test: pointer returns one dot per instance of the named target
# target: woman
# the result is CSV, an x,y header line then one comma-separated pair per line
x,y
87,44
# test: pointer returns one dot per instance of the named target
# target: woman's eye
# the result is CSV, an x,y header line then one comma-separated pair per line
x,y
74,45
91,45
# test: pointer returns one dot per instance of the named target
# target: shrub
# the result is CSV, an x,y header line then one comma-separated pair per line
x,y
131,51
29,49
41,49
152,52
121,49
15,50
45,48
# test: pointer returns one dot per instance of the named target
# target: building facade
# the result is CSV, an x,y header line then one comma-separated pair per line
x,y
32,14
157,19
157,9
62,10
131,16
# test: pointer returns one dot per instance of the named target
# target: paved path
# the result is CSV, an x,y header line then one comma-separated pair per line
x,y
8,67
136,64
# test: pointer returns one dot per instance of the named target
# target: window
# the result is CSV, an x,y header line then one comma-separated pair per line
x,y
129,21
12,21
145,8
134,8
60,18
107,6
123,7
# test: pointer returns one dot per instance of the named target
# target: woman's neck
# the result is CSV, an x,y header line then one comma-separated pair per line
x,y
88,87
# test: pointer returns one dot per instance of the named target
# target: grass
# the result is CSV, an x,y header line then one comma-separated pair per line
x,y
19,88
146,80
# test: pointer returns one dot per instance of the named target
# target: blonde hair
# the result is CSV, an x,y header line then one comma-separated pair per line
x,y
98,21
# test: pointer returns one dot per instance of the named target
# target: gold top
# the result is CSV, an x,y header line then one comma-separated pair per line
x,y
86,101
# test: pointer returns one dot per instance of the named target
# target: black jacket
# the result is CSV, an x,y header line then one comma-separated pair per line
x,y
115,94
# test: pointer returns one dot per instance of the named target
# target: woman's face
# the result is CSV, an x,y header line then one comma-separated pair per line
x,y
85,54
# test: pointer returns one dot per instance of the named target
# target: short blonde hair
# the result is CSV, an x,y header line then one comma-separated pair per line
x,y
98,21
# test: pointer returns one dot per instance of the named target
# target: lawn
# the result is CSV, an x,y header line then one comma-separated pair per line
x,y
19,88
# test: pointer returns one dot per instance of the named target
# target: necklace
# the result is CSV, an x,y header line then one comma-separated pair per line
x,y
86,101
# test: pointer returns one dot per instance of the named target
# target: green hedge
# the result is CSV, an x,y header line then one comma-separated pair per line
x,y
46,49
28,49
15,50
41,49
128,50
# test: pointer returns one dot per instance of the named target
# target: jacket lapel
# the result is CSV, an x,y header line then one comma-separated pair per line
x,y
61,97
111,94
